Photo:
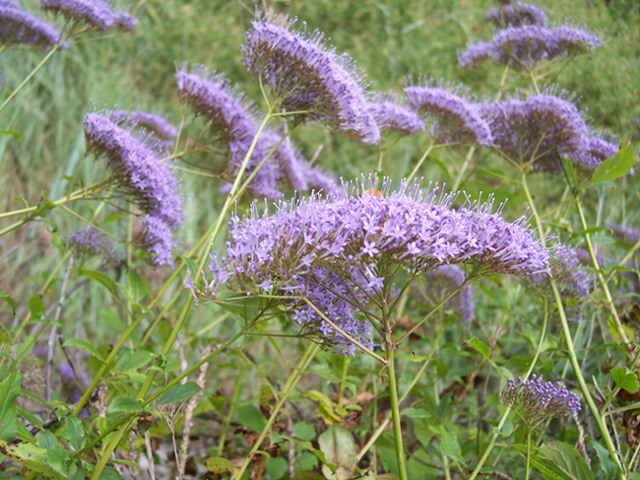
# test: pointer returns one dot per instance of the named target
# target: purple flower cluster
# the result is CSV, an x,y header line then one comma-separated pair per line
x,y
515,15
599,147
233,120
537,402
307,76
136,164
574,282
393,117
442,282
534,130
17,26
339,248
92,243
626,234
94,14
452,118
522,48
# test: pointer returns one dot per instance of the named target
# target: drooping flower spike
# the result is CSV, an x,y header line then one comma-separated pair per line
x,y
308,76
537,402
441,282
393,117
17,26
143,175
516,14
535,129
341,248
93,14
150,122
451,115
92,243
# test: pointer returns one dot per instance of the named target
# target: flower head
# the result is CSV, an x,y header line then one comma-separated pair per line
x,y
597,149
536,128
628,235
138,169
346,246
17,26
537,402
452,117
92,243
94,14
515,15
307,76
393,117
574,41
442,282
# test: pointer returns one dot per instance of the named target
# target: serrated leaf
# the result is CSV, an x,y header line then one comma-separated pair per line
x,y
9,391
102,278
450,446
32,457
57,459
615,166
607,465
178,393
9,301
88,346
219,465
75,432
625,379
124,404
339,449
567,459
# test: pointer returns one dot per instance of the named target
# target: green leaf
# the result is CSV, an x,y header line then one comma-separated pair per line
x,y
34,458
276,467
75,432
46,439
625,379
57,459
138,285
304,431
450,446
133,361
9,391
192,266
615,166
339,449
178,393
566,459
12,133
308,476
480,347
124,404
10,301
413,412
88,346
36,307
110,473
246,307
607,465
102,278
219,465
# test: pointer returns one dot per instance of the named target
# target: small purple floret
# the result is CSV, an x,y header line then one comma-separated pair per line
x,y
442,282
17,26
393,117
94,14
155,124
516,14
92,243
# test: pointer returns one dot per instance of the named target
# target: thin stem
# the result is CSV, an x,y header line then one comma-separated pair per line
x,y
288,388
395,408
420,162
464,167
528,462
33,72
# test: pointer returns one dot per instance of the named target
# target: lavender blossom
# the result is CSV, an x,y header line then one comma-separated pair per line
x,y
442,282
347,246
319,181
307,76
537,402
17,26
393,117
158,240
151,123
94,14
92,243
597,150
524,47
516,15
536,129
452,117
140,172
628,235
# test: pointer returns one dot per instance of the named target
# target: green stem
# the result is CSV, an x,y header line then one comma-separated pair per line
x,y
599,276
528,462
571,349
110,448
33,72
465,165
288,388
395,409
